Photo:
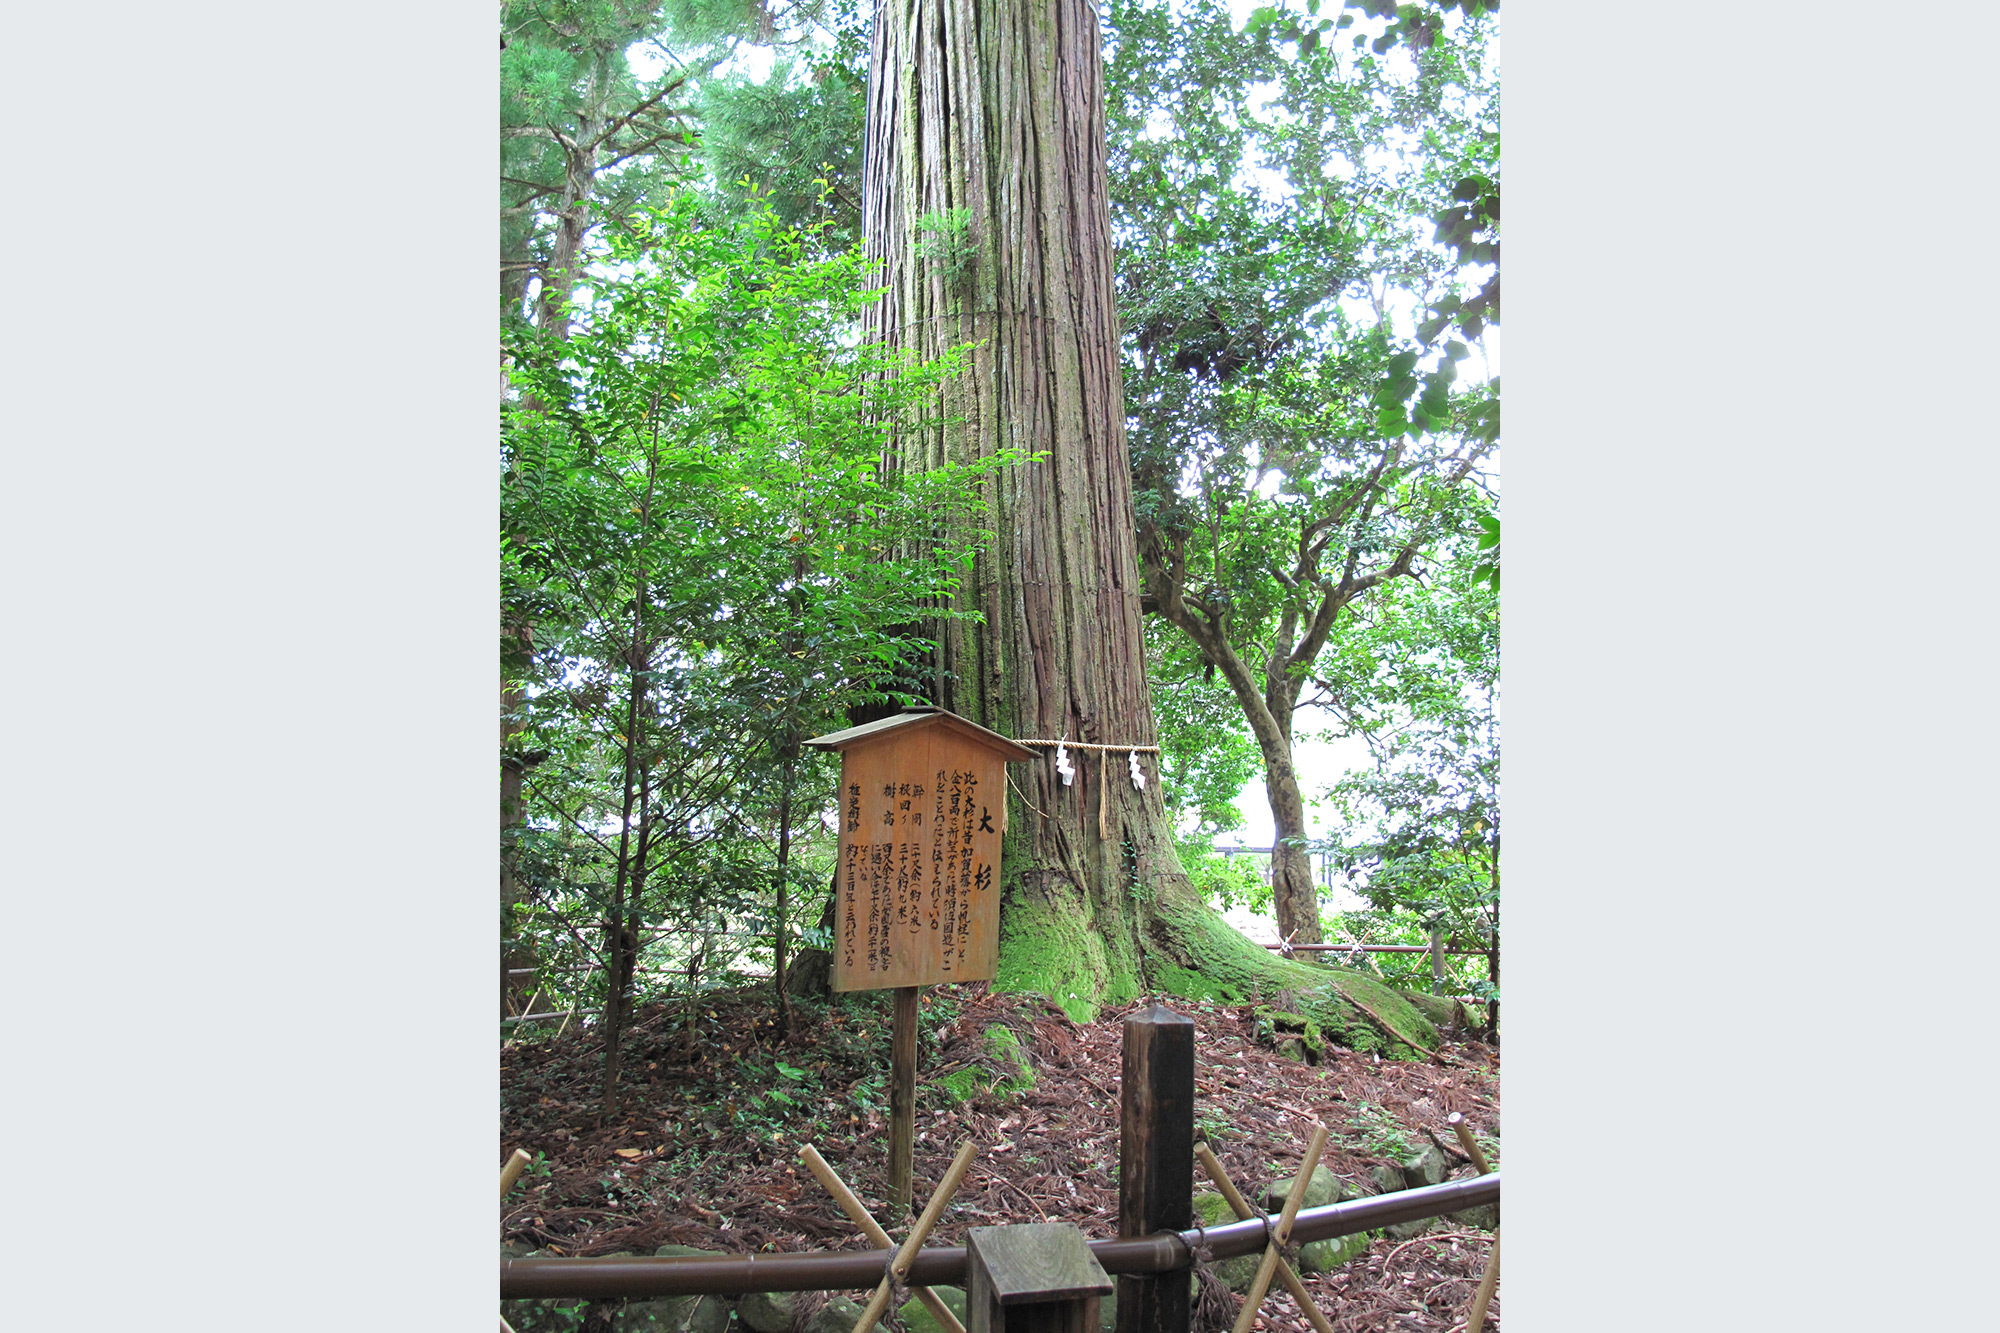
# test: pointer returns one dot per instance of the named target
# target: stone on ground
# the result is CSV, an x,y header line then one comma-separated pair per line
x,y
1427,1167
1324,1188
838,1315
767,1311
1483,1218
676,1314
1323,1256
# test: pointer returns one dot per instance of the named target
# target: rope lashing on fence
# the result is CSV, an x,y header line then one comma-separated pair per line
x,y
1274,1252
1211,1310
899,1267
860,1216
1245,1210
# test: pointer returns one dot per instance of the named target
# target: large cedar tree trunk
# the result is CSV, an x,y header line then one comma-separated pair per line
x,y
997,109
986,204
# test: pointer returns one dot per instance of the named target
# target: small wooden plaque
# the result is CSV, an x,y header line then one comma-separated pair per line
x,y
923,802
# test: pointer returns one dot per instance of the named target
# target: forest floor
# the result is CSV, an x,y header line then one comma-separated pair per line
x,y
705,1150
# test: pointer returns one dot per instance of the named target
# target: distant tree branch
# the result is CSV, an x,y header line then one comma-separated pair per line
x,y
617,123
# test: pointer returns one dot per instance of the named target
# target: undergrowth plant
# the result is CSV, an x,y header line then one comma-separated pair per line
x,y
1379,1131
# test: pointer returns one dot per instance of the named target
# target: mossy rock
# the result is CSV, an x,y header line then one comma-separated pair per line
x,y
1320,1256
767,1311
1426,1166
1323,1256
1486,1217
917,1318
1212,1210
1324,1188
1002,1051
1237,1274
838,1315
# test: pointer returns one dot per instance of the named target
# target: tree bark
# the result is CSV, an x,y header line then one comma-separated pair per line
x,y
996,108
1294,894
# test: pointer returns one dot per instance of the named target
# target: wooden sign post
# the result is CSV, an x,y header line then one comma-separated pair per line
x,y
923,802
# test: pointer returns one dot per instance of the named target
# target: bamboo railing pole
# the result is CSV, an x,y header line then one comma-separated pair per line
x,y
859,1214
918,1233
1245,1212
512,1171
1467,1142
1246,1319
1475,1318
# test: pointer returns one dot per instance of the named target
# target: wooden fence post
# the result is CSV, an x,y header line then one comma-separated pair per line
x,y
1155,1160
1437,961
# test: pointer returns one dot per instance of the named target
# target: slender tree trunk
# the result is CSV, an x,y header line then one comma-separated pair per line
x,y
620,939
514,952
1493,955
622,922
572,210
996,108
784,896
1294,895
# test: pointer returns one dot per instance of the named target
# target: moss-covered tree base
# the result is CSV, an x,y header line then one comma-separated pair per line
x,y
1054,944
1051,944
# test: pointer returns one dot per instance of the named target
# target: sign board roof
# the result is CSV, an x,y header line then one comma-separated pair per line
x,y
921,718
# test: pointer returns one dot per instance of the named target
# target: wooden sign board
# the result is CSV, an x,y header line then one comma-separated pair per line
x,y
923,802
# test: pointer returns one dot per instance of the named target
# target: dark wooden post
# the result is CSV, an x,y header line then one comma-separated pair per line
x,y
1437,960
1156,1160
902,1098
1036,1278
